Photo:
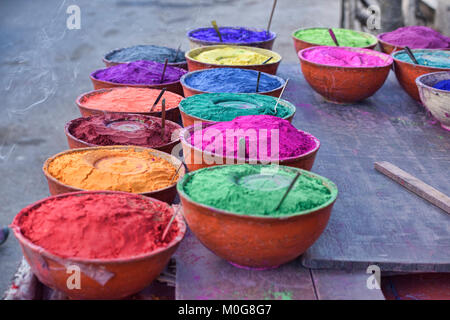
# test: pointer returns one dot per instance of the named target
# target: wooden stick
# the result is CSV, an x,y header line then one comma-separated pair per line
x,y
176,172
414,185
270,58
257,81
282,90
164,70
176,54
271,15
158,98
166,230
333,36
163,117
411,55
214,24
288,190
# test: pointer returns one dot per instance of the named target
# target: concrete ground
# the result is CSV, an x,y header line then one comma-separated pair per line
x,y
44,67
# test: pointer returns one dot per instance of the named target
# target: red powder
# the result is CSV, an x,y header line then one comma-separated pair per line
x,y
98,225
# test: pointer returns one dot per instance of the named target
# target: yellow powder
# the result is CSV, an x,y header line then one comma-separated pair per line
x,y
232,56
127,170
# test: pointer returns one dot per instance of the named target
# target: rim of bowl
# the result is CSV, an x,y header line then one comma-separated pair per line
x,y
187,130
70,123
393,54
190,37
17,231
187,75
377,53
47,162
103,90
284,102
254,49
330,185
106,59
419,82
360,32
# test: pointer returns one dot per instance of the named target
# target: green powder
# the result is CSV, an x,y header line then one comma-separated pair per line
x,y
345,37
256,189
227,106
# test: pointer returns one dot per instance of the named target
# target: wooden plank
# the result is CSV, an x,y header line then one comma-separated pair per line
x,y
414,185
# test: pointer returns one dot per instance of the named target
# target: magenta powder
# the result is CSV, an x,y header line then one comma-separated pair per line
x,y
139,72
259,132
416,37
345,57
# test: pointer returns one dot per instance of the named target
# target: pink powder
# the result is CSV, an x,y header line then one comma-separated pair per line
x,y
416,37
346,57
263,135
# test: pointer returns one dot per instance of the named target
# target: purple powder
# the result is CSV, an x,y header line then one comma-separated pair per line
x,y
231,35
139,72
417,37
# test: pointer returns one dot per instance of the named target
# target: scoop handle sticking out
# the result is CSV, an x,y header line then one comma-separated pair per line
x,y
166,230
288,190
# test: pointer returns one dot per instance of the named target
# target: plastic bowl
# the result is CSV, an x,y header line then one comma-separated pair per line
x,y
194,157
345,84
270,67
435,100
130,275
166,194
256,241
196,43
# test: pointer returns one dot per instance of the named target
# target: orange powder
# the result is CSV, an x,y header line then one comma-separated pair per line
x,y
131,170
129,99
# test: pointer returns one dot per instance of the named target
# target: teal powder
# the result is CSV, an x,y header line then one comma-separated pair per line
x,y
436,58
227,106
229,188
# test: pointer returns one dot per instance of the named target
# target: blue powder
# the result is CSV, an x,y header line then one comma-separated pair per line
x,y
443,85
232,80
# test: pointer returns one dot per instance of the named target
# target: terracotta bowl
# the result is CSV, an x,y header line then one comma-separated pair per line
x,y
194,157
256,241
172,114
301,44
407,73
167,194
196,43
345,84
270,67
189,120
109,63
130,275
190,91
75,143
435,100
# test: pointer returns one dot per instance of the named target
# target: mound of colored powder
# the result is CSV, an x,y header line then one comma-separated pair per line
x,y
129,170
129,99
416,37
232,56
266,138
227,106
430,58
345,37
114,129
98,226
146,52
231,35
344,57
139,72
255,190
443,85
231,80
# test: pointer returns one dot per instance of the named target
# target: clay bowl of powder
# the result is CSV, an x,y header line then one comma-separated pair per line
x,y
239,36
434,90
143,171
312,37
206,145
430,60
234,80
146,52
139,74
344,74
218,107
119,129
231,210
127,100
243,57
112,238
